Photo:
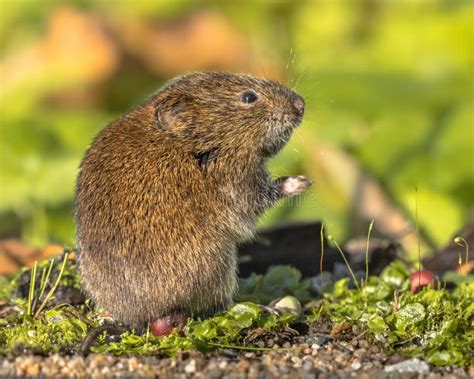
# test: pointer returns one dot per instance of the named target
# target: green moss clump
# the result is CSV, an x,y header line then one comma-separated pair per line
x,y
434,324
57,331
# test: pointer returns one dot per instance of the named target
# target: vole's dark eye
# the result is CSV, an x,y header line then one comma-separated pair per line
x,y
248,97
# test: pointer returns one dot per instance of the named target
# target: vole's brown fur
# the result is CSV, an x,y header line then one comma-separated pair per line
x,y
166,191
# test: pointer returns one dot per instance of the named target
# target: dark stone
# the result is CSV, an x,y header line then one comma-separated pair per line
x,y
297,245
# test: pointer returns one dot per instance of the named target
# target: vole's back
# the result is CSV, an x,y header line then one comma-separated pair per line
x,y
165,192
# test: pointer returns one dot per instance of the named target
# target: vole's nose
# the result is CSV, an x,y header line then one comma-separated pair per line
x,y
298,104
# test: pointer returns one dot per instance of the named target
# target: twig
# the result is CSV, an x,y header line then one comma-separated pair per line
x,y
251,348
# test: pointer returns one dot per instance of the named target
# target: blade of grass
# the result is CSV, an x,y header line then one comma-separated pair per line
x,y
321,259
367,253
45,280
31,292
53,289
418,236
330,238
463,243
43,274
147,336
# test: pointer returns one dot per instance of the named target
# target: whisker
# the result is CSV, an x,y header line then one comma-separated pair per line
x,y
302,72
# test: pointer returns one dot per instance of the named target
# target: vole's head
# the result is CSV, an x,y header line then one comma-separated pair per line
x,y
230,114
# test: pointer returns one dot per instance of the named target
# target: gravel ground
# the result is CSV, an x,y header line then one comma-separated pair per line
x,y
309,359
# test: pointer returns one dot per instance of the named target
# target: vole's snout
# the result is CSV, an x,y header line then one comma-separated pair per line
x,y
298,105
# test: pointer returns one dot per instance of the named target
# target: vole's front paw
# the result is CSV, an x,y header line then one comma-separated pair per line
x,y
293,185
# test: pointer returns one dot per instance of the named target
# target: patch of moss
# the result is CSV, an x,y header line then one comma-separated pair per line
x,y
224,330
57,331
434,324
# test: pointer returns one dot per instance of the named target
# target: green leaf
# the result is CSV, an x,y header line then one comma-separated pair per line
x,y
412,313
245,314
279,281
341,287
377,324
395,274
445,357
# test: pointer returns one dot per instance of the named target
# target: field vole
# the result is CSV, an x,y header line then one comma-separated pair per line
x,y
166,191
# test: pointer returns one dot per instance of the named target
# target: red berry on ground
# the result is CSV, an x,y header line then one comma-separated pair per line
x,y
164,326
161,327
421,279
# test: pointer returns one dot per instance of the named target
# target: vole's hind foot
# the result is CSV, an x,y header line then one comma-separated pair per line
x,y
292,185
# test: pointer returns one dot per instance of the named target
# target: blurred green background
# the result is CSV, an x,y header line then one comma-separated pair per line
x,y
388,130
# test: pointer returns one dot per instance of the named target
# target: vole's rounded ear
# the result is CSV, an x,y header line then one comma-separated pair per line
x,y
171,113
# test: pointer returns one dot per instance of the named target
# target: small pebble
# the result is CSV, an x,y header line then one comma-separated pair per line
x,y
307,366
132,364
32,369
356,365
289,303
223,365
190,368
414,365
375,349
296,360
